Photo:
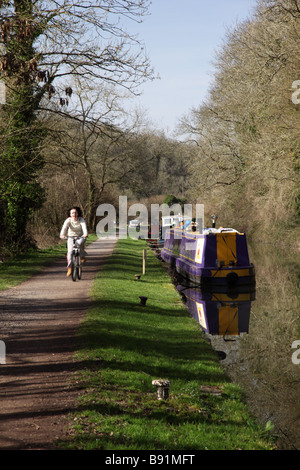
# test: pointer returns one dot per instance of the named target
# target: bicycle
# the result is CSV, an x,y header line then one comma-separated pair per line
x,y
76,265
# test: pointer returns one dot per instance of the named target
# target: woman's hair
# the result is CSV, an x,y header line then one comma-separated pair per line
x,y
79,211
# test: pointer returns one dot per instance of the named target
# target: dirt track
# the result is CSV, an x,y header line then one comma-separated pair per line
x,y
39,319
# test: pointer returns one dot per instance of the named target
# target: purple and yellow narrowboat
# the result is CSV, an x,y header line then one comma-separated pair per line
x,y
216,256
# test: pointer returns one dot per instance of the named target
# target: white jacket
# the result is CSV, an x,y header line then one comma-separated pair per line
x,y
74,229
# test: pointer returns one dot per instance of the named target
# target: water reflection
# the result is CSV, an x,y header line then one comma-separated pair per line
x,y
255,334
224,313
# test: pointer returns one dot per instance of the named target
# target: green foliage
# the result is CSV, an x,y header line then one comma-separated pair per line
x,y
19,190
21,160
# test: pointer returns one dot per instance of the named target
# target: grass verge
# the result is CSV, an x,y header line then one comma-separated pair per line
x,y
123,346
22,267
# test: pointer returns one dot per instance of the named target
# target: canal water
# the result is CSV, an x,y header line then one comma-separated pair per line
x,y
255,335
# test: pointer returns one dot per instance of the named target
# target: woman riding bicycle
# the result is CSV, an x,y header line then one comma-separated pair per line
x,y
74,226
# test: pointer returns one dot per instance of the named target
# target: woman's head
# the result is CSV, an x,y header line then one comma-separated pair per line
x,y
74,211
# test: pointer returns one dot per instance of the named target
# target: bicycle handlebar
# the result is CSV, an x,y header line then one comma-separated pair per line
x,y
74,236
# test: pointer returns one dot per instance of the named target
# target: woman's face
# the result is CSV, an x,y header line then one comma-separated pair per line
x,y
74,214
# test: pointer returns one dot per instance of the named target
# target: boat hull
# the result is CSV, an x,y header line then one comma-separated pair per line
x,y
215,258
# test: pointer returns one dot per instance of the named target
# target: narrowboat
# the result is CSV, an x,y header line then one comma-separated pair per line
x,y
216,256
220,313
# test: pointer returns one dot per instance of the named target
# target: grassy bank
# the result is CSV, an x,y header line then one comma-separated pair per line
x,y
123,346
20,268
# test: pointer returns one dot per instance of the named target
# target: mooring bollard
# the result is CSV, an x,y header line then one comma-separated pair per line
x,y
143,300
163,386
144,261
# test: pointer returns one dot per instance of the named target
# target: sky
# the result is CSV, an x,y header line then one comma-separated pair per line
x,y
181,38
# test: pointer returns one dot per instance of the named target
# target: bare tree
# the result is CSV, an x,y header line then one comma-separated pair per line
x,y
246,133
98,146
45,44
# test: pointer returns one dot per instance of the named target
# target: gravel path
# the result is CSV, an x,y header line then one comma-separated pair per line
x,y
39,319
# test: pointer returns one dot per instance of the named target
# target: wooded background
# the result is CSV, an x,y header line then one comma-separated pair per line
x,y
66,138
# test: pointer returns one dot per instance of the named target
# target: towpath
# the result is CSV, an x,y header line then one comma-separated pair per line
x,y
38,322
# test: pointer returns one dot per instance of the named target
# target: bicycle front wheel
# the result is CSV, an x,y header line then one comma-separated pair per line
x,y
74,269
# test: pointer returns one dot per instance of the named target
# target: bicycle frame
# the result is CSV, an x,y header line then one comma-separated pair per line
x,y
76,260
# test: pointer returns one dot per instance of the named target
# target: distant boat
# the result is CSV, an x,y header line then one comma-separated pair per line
x,y
216,256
